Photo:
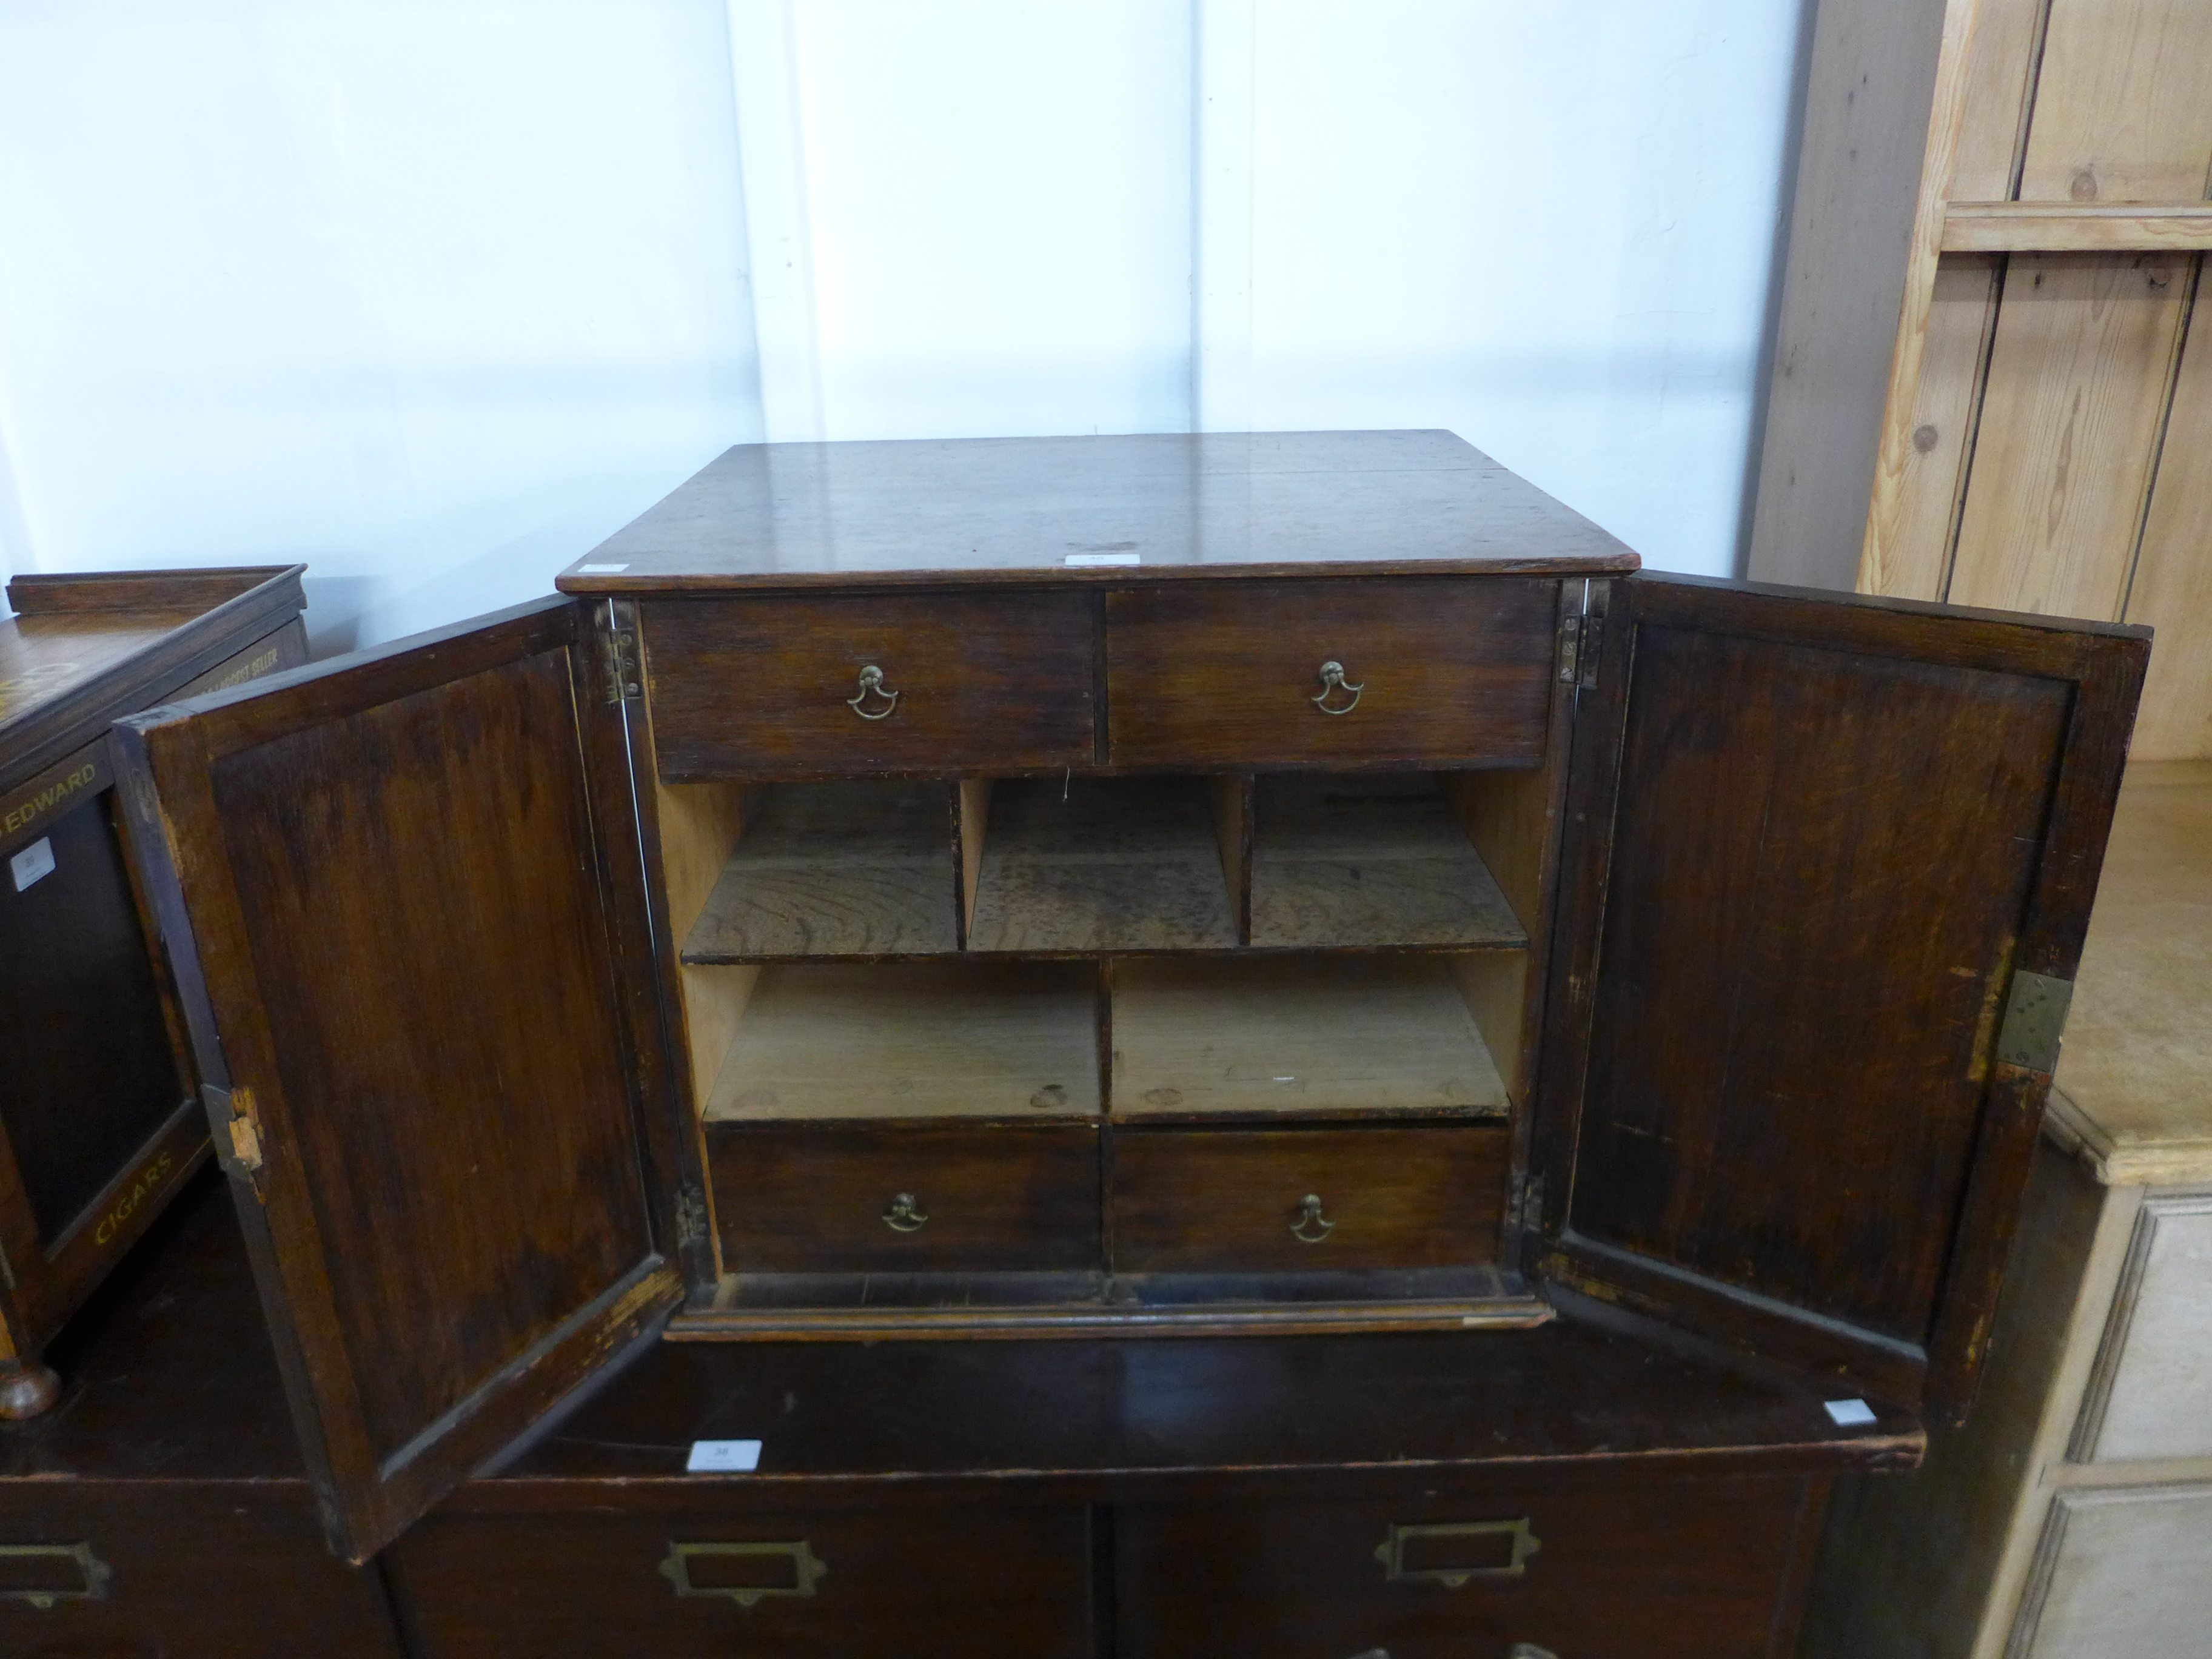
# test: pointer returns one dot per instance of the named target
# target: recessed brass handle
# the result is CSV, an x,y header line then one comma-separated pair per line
x,y
903,1217
1529,1651
807,1570
1312,1226
872,685
69,1561
1332,682
1519,1544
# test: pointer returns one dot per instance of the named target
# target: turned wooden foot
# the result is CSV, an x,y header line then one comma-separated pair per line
x,y
27,1388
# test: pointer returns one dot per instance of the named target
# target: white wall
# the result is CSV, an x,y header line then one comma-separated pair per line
x,y
434,295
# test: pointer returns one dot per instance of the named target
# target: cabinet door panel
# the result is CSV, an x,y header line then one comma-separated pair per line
x,y
396,888
1812,845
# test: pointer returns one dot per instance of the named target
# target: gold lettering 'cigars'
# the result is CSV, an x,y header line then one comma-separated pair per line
x,y
57,787
151,1179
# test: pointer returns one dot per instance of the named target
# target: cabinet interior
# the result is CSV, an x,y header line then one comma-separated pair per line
x,y
1231,951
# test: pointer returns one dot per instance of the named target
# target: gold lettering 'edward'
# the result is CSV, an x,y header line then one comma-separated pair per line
x,y
149,1182
33,807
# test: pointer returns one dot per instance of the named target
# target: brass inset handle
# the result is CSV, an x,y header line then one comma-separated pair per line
x,y
1332,682
903,1217
92,1573
872,685
1529,1651
807,1570
1520,1544
1312,1226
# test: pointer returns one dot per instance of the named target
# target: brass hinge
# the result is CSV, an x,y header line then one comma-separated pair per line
x,y
690,1216
618,647
2034,1021
1593,634
240,1127
1570,643
1524,1204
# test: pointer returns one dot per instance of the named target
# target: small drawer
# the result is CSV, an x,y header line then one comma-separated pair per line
x,y
870,683
709,1575
1238,674
1696,1570
1256,1201
902,1197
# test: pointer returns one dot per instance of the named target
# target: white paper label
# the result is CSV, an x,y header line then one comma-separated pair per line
x,y
724,1457
33,861
1104,558
1850,1414
599,569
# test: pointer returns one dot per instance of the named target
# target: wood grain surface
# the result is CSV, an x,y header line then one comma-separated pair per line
x,y
1225,676
847,869
812,1198
2173,587
2123,104
1225,1201
757,687
1101,864
1370,862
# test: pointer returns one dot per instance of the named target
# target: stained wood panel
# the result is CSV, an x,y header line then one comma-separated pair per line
x,y
1787,1118
1232,1200
2123,103
429,1074
2172,589
2077,390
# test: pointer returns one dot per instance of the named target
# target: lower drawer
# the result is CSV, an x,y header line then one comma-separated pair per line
x,y
697,1581
1326,1198
152,1571
903,1197
1699,1570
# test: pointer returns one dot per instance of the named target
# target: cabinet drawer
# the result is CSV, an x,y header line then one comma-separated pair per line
x,y
2151,1393
1698,1571
965,683
1233,1200
228,1570
1453,670
689,1582
794,1197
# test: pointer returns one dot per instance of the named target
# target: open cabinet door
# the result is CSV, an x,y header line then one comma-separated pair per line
x,y
404,897
1828,862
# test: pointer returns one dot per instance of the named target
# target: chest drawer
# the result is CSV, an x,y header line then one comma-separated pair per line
x,y
699,1578
1238,674
753,687
1687,1571
1243,1200
980,1198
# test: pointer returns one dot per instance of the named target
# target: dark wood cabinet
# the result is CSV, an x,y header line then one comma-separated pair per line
x,y
99,1125
1307,887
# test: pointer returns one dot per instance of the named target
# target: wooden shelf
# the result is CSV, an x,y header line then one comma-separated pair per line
x,y
914,1040
2076,226
1353,1034
1101,864
1370,862
847,869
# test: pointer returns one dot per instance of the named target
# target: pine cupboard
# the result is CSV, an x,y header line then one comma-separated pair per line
x,y
1306,886
98,1118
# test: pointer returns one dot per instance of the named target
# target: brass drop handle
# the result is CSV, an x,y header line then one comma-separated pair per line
x,y
1311,1227
903,1217
1332,682
872,685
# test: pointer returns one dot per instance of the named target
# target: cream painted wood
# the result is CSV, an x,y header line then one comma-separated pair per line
x,y
2121,1573
2151,1396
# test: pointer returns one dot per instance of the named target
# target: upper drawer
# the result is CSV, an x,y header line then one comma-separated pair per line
x,y
1231,674
964,682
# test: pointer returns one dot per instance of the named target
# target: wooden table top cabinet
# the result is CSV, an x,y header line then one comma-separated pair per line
x,y
100,1118
1300,886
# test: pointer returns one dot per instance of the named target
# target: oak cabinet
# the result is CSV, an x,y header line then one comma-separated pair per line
x,y
99,1125
1366,905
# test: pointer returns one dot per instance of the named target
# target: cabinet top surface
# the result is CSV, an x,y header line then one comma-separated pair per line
x,y
1094,509
79,649
2134,1086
